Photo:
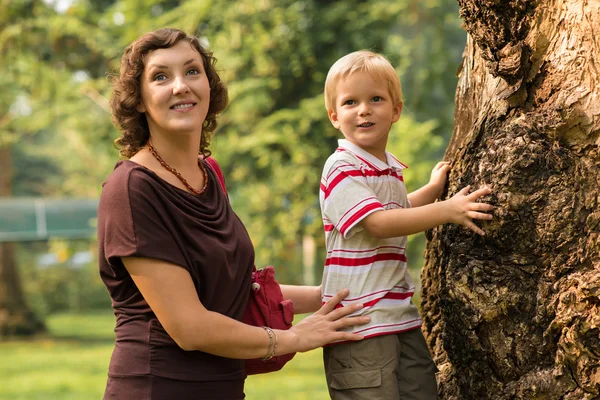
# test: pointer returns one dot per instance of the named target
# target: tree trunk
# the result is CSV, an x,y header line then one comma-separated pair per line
x,y
516,314
16,319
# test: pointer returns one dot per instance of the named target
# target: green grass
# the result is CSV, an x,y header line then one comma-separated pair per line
x,y
69,364
303,378
72,361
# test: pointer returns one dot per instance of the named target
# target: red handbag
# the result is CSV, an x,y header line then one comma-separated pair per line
x,y
266,306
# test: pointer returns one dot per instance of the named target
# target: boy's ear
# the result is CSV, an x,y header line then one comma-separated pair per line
x,y
333,118
397,112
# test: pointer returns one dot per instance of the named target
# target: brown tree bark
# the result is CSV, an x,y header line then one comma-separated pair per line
x,y
516,314
16,318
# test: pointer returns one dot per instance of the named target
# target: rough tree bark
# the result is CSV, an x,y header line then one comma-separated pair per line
x,y
16,318
516,314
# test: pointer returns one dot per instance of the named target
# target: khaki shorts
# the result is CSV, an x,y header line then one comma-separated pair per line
x,y
389,367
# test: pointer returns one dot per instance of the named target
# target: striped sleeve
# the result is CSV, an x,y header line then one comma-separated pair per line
x,y
346,198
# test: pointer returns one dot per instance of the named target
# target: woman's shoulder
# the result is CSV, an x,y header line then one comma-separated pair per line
x,y
127,174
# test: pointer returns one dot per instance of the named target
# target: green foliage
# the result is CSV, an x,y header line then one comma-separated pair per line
x,y
274,137
54,281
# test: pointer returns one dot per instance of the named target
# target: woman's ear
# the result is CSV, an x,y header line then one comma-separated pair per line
x,y
140,108
333,117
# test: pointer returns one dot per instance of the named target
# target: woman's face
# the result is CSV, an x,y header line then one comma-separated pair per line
x,y
175,92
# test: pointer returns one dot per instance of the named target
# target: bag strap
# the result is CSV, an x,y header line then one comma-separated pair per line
x,y
215,167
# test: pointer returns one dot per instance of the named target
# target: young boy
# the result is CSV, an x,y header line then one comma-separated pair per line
x,y
367,215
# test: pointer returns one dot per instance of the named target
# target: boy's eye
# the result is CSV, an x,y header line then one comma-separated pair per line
x,y
377,99
348,102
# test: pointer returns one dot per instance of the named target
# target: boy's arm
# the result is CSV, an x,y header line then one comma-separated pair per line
x,y
461,209
306,299
434,189
424,195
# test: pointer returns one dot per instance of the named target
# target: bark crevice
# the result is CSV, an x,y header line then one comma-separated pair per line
x,y
515,314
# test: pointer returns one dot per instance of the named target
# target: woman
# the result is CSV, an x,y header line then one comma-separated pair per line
x,y
175,258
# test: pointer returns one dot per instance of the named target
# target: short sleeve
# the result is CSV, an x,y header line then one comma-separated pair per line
x,y
346,197
132,221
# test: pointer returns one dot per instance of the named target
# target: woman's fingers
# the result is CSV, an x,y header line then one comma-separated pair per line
x,y
350,321
334,301
342,312
346,336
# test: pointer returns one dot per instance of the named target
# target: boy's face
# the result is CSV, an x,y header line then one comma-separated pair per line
x,y
364,112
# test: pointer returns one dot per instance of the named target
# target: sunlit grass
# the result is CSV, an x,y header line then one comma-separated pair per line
x,y
72,361
302,378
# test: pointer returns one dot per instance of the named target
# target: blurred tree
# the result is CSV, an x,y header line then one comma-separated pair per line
x,y
275,136
16,317
274,55
515,314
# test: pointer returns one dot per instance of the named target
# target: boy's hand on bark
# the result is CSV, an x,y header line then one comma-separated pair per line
x,y
464,208
439,175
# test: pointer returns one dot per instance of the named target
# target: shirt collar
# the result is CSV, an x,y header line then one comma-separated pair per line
x,y
392,162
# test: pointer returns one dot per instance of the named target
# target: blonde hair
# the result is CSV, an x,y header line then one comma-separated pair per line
x,y
362,61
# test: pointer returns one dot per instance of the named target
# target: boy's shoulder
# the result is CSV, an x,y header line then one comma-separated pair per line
x,y
341,155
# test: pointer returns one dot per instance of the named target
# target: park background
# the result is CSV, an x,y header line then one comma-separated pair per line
x,y
56,141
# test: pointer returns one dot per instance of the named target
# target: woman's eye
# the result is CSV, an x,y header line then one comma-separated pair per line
x,y
193,71
159,77
377,99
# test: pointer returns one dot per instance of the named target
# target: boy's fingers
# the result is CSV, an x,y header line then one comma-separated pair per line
x,y
476,229
478,215
482,207
465,190
480,192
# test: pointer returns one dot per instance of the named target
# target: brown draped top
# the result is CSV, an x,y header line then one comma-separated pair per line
x,y
141,215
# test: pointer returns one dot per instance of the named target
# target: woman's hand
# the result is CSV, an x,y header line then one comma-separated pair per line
x,y
464,208
439,175
323,327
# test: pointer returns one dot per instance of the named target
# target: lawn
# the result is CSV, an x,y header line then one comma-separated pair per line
x,y
71,364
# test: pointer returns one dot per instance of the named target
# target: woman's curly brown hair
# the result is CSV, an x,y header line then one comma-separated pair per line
x,y
126,94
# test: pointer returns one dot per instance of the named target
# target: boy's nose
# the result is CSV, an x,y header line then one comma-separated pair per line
x,y
364,110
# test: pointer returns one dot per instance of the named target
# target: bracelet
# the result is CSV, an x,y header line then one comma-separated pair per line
x,y
271,334
274,346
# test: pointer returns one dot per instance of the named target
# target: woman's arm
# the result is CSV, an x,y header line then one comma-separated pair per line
x,y
171,294
306,299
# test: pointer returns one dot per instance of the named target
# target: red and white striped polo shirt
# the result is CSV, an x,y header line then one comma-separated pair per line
x,y
355,184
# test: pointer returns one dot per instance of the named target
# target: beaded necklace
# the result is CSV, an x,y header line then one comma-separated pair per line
x,y
178,175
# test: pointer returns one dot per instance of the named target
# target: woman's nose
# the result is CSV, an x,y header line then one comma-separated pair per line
x,y
179,86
